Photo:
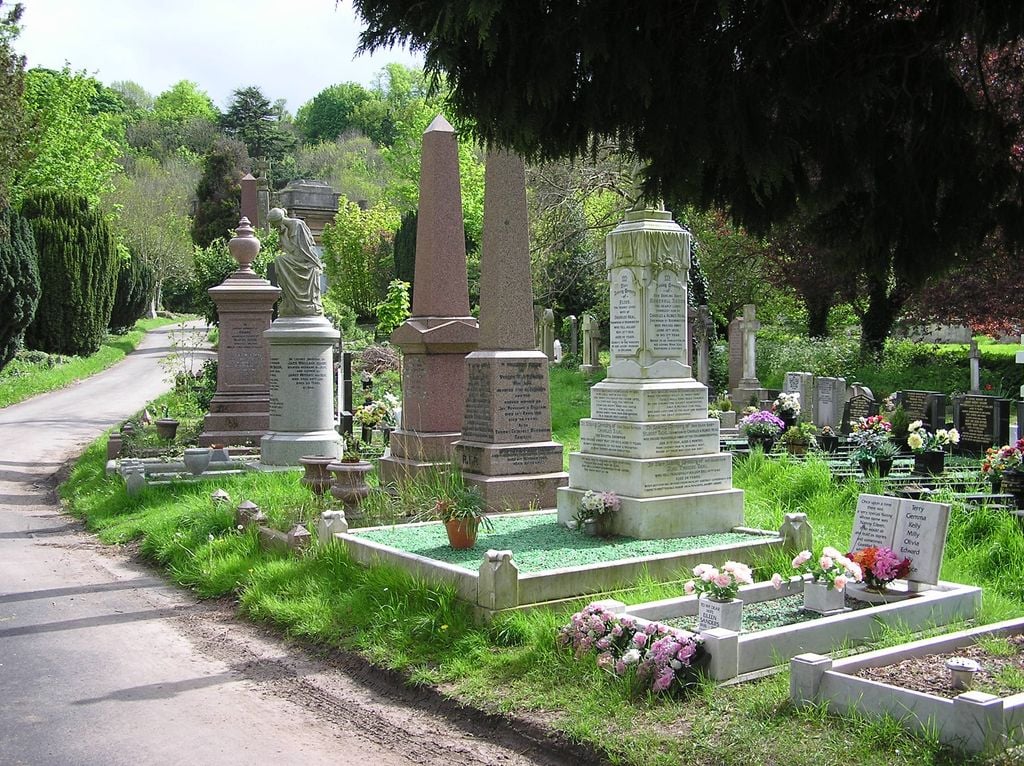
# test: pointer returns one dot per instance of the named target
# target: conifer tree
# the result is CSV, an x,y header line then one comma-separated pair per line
x,y
19,282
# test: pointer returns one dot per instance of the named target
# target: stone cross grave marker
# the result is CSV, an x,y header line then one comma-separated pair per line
x,y
974,357
735,332
547,334
914,529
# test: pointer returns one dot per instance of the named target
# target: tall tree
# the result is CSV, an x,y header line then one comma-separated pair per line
x,y
14,123
152,202
19,282
78,262
184,101
219,193
252,119
859,111
331,113
76,146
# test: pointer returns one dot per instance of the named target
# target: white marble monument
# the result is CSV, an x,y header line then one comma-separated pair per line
x,y
649,438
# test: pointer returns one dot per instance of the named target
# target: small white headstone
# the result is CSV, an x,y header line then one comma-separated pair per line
x,y
914,529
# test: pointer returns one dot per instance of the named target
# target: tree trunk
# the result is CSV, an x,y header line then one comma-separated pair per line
x,y
876,324
817,316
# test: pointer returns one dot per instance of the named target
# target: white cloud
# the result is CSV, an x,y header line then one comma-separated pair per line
x,y
291,50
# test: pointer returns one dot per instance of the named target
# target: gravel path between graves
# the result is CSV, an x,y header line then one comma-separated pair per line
x,y
104,662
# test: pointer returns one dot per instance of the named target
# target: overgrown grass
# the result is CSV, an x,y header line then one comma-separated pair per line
x,y
21,379
513,665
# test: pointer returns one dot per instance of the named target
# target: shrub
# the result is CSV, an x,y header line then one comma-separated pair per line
x,y
213,264
358,255
19,282
131,295
78,269
394,309
341,316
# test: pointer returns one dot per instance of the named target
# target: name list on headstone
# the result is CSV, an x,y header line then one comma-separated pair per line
x,y
302,373
664,439
244,347
913,529
510,411
666,303
666,404
625,315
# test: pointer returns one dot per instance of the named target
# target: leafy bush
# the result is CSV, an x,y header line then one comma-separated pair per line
x,y
19,282
341,316
779,353
78,268
358,255
132,294
394,309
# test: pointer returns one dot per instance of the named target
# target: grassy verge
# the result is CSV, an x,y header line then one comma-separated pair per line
x,y
513,666
21,380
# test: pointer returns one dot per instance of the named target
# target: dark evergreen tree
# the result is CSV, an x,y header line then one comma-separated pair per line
x,y
19,282
219,193
253,120
14,125
78,270
405,250
131,297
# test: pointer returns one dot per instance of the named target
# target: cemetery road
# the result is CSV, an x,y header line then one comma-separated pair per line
x,y
103,662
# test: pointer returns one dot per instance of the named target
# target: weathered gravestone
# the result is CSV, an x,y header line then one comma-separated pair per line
x,y
240,410
914,529
441,331
749,388
927,406
802,383
649,439
983,422
506,449
704,333
574,335
591,345
858,406
547,334
974,358
829,402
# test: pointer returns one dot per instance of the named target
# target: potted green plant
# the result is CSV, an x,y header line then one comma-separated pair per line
x,y
461,510
799,437
885,452
349,482
899,422
867,436
787,408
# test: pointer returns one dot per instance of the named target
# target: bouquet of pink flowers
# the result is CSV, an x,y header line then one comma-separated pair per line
x,y
880,566
721,585
831,567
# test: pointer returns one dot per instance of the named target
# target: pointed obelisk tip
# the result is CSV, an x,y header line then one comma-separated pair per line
x,y
440,125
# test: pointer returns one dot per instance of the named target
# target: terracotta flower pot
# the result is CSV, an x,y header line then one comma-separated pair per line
x,y
461,533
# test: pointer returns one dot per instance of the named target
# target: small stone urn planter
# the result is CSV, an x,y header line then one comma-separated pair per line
x,y
317,477
931,463
712,613
349,483
166,428
197,459
821,599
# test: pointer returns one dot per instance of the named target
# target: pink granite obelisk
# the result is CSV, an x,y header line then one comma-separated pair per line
x,y
506,449
240,410
440,332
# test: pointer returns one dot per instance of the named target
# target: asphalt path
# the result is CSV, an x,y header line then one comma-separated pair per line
x,y
103,662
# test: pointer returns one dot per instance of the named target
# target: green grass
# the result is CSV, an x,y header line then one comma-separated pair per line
x,y
21,380
513,665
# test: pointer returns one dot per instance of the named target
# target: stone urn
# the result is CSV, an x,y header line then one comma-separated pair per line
x,y
197,459
349,483
820,598
166,428
317,477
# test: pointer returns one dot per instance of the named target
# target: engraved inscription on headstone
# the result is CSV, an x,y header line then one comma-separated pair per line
x,y
977,420
666,304
710,615
921,536
665,439
478,423
625,315
276,404
874,521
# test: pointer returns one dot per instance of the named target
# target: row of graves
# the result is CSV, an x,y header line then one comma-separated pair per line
x,y
648,493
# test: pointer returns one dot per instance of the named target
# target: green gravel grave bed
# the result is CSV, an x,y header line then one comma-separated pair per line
x,y
774,613
537,542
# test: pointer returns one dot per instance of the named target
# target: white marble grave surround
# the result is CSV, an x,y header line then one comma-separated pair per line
x,y
649,439
803,383
301,391
915,529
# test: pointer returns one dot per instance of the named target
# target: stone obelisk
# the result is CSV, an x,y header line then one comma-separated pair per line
x,y
506,448
240,410
649,438
440,332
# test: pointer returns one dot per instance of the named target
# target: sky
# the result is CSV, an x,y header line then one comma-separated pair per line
x,y
291,49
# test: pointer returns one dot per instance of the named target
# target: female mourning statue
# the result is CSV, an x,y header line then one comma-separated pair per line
x,y
298,268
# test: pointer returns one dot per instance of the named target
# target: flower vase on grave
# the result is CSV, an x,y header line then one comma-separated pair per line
x,y
166,428
819,597
349,483
1013,484
461,533
876,595
197,459
997,484
317,477
866,464
788,420
367,435
930,463
764,442
884,466
829,443
715,613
